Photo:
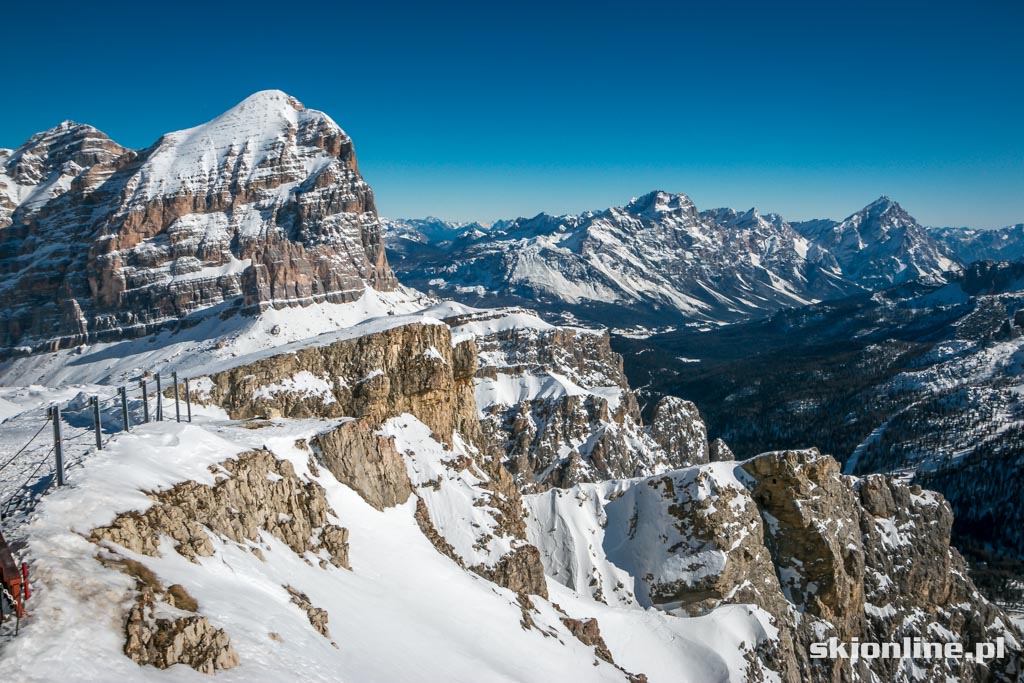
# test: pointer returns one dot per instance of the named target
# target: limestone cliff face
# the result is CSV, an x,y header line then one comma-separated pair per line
x,y
679,429
262,206
388,383
558,403
824,554
410,367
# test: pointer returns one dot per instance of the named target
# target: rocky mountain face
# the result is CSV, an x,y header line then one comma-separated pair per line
x,y
262,206
658,262
814,553
824,555
969,245
880,245
557,402
921,379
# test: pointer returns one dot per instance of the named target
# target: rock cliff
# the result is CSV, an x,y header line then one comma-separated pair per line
x,y
824,554
556,401
405,392
262,206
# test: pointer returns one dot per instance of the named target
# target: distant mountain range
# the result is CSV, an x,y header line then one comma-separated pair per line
x,y
658,262
923,379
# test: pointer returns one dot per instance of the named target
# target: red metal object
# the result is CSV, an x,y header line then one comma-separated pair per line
x,y
24,580
12,577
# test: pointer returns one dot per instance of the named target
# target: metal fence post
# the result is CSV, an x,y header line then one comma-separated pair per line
x,y
145,401
159,401
58,444
124,408
188,400
177,407
95,401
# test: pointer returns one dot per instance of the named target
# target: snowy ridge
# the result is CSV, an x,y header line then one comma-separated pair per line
x,y
658,262
400,587
252,135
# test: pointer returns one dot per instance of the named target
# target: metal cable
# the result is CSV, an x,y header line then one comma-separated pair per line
x,y
27,444
87,432
19,494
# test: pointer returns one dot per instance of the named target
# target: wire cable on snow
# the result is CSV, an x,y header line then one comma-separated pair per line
x,y
22,449
19,494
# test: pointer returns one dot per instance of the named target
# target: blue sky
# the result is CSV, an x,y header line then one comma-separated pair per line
x,y
489,110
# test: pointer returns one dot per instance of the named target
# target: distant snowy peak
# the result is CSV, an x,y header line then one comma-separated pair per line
x,y
658,203
655,261
1003,244
880,245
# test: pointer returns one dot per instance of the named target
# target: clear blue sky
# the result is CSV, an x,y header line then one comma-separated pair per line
x,y
477,110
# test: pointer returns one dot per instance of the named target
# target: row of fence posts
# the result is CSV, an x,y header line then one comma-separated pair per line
x,y
122,393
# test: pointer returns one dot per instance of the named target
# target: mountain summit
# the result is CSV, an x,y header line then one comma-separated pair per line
x,y
880,245
262,206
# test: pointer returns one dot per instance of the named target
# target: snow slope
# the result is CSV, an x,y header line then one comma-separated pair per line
x,y
404,612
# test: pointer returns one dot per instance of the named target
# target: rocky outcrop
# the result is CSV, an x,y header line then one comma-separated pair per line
x,y
556,400
520,570
366,462
254,493
813,535
679,429
916,582
719,451
163,641
588,632
262,206
825,555
317,616
257,492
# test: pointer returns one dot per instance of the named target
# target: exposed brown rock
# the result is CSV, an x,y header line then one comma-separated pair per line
x,y
243,502
318,617
519,570
816,542
588,632
719,451
407,369
164,641
365,462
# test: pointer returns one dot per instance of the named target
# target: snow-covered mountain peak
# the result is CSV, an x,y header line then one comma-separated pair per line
x,y
264,129
884,208
880,245
656,203
262,204
68,141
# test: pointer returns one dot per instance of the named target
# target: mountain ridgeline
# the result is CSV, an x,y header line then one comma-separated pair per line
x,y
659,262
